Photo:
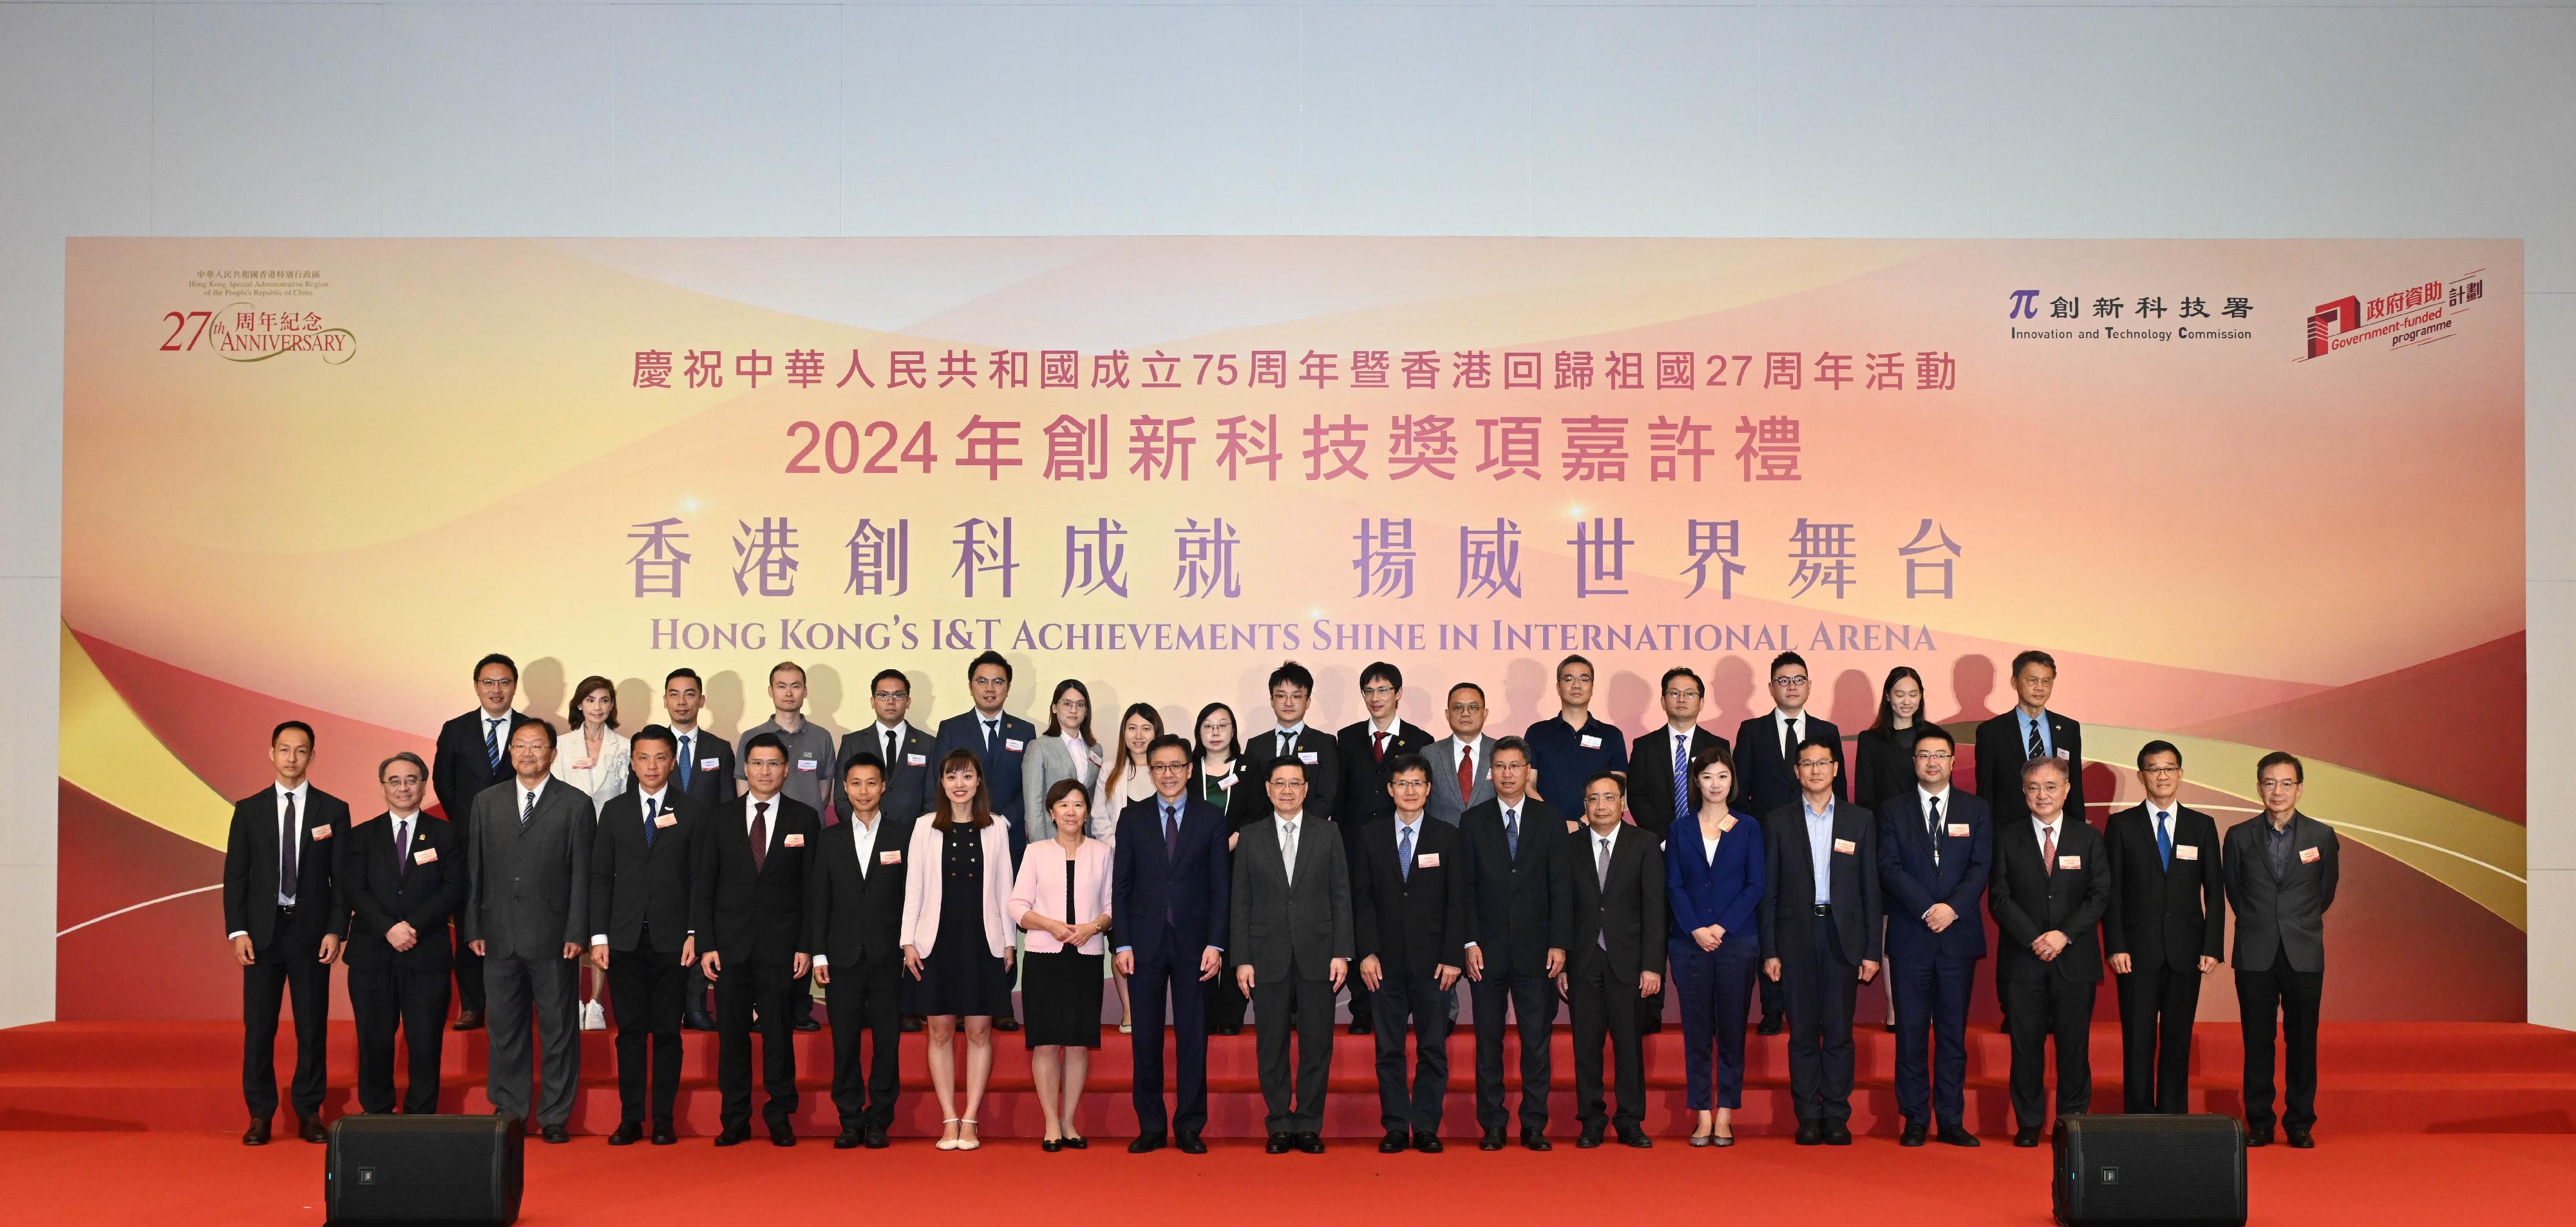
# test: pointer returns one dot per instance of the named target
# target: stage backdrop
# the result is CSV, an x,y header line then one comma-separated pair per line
x,y
2251,494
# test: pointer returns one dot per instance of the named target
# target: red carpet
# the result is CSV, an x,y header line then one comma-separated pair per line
x,y
2406,1078
207,1180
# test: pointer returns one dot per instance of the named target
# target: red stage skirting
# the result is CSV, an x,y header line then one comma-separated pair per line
x,y
2376,1078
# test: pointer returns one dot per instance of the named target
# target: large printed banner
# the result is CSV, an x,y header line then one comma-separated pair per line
x,y
2252,495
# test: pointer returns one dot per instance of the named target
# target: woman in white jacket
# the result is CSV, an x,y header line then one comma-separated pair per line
x,y
594,759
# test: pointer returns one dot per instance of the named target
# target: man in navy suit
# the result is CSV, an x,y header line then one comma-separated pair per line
x,y
702,770
1934,849
1820,934
401,875
285,921
1517,876
2168,912
1167,900
474,754
1765,752
1409,910
999,739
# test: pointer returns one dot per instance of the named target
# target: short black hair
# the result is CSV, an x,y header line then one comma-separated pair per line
x,y
1275,764
1294,674
1514,744
496,659
2279,758
1785,658
2034,657
297,725
989,657
676,674
782,667
863,758
1378,668
898,675
1925,731
1169,741
765,741
655,732
1680,671
1408,761
403,756
543,726
1455,687
1575,660
2161,746
1598,776
1830,745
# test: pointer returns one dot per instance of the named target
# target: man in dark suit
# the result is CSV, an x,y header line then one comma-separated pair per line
x,y
1517,878
1820,932
1409,911
902,751
642,938
1169,889
1657,760
854,922
2050,890
1290,939
1365,749
1935,847
529,916
2168,906
2281,871
474,754
2026,732
1291,689
703,771
1460,762
285,921
1611,919
750,908
1766,751
401,875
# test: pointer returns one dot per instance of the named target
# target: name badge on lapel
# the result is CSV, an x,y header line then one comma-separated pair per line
x,y
1958,830
1725,824
1846,846
1014,744
916,760
1228,781
1307,757
2186,852
889,858
2061,753
665,820
708,764
2070,862
2308,856
323,832
1428,860
1095,756
794,841
1590,742
424,856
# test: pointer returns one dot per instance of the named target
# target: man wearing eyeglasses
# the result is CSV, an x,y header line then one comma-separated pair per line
x,y
1366,749
1168,904
903,749
1461,778
1657,793
1765,755
2162,932
1568,747
1935,847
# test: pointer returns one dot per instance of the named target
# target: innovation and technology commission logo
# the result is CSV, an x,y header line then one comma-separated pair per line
x,y
2404,318
267,313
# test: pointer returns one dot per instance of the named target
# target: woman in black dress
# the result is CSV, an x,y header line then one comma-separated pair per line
x,y
956,940
1062,899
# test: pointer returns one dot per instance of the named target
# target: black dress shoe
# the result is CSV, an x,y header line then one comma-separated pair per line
x,y
1770,1025
734,1135
1837,1133
1914,1134
1493,1140
782,1135
2026,1138
1652,1026
256,1135
1361,1028
699,1021
1051,1145
1311,1143
1810,1133
1278,1144
1145,1144
1632,1136
1006,1023
1190,1143
310,1129
2301,1140
1589,1138
556,1135
910,1024
1891,1028
2258,1137
877,1139
807,1023
1227,1029
1954,1135
849,1140
468,1020
1396,1141
1536,1139
1428,1143
663,1135
627,1134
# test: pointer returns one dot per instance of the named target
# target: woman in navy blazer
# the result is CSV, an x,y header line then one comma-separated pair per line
x,y
1713,888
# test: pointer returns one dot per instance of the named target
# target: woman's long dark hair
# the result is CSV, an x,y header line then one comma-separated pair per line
x,y
1075,685
980,808
1119,768
1887,710
1198,745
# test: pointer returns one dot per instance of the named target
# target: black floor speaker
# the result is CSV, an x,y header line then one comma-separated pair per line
x,y
454,1171
2150,1171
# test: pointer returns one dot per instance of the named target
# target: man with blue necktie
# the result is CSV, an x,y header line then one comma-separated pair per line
x,y
1517,867
1168,889
2168,909
474,754
702,769
1409,913
1933,858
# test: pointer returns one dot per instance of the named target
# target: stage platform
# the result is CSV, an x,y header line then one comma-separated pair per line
x,y
2377,1078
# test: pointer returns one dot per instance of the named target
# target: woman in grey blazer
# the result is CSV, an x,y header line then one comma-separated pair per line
x,y
1064,750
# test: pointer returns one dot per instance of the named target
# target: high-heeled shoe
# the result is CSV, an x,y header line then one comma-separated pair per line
x,y
965,1143
1051,1145
1075,1141
947,1143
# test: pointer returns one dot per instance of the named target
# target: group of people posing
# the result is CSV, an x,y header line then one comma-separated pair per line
x,y
917,880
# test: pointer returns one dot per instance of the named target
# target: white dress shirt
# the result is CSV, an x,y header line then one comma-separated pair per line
x,y
863,838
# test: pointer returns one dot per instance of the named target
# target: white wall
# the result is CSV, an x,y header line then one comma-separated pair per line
x,y
2141,120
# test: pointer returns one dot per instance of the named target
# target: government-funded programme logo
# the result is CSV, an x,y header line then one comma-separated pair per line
x,y
267,313
2409,316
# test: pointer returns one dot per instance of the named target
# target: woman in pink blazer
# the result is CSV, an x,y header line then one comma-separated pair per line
x,y
957,938
1062,899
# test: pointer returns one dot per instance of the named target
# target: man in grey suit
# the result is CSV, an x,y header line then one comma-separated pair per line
x,y
529,918
2280,871
1461,763
1291,941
